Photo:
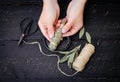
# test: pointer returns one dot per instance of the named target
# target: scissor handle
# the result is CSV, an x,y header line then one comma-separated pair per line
x,y
28,26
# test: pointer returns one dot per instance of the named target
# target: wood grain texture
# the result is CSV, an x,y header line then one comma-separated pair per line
x,y
16,63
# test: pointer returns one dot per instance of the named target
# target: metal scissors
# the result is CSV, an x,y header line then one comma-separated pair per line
x,y
27,27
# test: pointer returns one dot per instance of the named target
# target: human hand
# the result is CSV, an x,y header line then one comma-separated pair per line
x,y
48,18
74,17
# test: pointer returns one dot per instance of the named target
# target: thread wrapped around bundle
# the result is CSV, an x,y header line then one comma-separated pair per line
x,y
83,58
56,39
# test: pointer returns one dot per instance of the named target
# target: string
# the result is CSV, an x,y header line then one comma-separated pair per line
x,y
51,55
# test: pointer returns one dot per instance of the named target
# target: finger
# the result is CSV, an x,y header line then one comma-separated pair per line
x,y
71,32
67,26
44,32
61,38
43,29
59,21
56,21
58,24
50,31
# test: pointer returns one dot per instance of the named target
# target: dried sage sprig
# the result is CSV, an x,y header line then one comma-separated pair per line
x,y
70,56
64,59
71,59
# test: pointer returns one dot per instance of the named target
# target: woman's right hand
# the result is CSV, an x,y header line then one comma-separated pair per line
x,y
48,18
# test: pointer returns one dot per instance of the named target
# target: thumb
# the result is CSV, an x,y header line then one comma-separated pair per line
x,y
51,31
67,26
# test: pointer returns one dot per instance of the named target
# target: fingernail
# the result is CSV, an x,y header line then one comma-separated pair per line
x,y
63,31
50,35
61,39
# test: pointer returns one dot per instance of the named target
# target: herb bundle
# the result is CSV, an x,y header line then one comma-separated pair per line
x,y
56,39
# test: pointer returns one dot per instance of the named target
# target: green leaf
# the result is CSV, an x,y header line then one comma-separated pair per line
x,y
88,37
81,33
63,59
71,59
76,55
65,52
78,47
69,55
69,52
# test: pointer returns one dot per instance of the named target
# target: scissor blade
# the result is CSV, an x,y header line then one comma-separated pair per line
x,y
21,39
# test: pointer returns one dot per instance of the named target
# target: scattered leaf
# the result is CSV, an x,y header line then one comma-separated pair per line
x,y
69,56
63,59
78,47
81,33
71,51
76,55
66,52
71,59
88,37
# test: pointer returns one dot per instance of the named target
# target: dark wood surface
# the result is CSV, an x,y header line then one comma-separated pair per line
x,y
27,64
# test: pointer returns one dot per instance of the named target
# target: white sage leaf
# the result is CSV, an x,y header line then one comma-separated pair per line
x,y
81,33
71,59
88,37
63,59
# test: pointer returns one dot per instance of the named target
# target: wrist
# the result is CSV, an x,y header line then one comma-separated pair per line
x,y
80,1
49,1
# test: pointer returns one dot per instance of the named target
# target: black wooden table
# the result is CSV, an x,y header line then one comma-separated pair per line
x,y
27,64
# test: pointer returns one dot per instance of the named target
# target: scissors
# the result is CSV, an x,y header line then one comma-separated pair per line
x,y
27,27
